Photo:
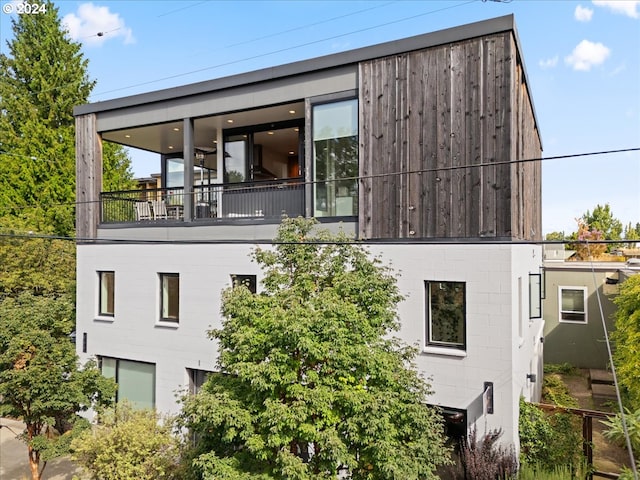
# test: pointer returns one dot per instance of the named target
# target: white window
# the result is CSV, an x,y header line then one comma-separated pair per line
x,y
169,297
573,304
136,380
446,314
106,294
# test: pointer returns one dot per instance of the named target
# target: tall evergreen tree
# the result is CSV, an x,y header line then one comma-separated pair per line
x,y
41,79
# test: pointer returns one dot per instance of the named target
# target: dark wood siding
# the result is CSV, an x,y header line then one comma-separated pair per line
x,y
427,119
88,177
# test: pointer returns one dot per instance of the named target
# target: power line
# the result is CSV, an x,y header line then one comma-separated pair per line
x,y
613,368
381,175
285,49
365,242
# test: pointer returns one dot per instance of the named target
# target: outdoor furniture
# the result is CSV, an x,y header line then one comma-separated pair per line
x,y
143,211
159,209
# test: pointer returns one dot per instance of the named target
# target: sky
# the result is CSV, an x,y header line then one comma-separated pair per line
x,y
582,61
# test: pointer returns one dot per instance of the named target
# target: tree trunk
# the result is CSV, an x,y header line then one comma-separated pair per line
x,y
34,463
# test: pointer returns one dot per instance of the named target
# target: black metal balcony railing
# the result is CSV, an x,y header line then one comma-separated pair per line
x,y
255,200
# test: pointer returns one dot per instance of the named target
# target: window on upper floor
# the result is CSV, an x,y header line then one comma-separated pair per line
x,y
335,158
169,297
573,303
248,281
106,294
446,314
136,380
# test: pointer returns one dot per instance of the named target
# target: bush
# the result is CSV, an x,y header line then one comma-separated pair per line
x,y
128,444
563,368
536,472
555,391
484,459
548,441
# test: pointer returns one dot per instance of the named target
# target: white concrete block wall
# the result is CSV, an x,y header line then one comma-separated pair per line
x,y
495,352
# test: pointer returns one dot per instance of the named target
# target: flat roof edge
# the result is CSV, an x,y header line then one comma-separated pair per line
x,y
326,62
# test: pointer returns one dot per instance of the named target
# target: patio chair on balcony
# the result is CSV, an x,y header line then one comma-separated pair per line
x,y
143,211
159,209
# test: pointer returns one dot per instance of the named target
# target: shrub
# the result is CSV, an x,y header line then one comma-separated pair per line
x,y
548,441
484,459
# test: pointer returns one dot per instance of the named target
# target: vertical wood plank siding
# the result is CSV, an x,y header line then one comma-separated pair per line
x,y
88,177
427,118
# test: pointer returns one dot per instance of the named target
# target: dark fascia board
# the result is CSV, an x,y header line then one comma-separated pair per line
x,y
441,37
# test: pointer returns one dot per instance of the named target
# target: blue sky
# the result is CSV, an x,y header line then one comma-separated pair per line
x,y
582,60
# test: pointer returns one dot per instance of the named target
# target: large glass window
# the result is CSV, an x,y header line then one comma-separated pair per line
x,y
107,293
446,314
169,297
236,150
573,301
174,172
136,380
335,158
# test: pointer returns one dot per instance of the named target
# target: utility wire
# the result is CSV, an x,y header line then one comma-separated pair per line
x,y
379,175
613,368
281,50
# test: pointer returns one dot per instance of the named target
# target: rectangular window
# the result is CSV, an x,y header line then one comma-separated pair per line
x,y
106,300
535,295
196,379
136,380
573,302
248,281
335,159
169,297
446,314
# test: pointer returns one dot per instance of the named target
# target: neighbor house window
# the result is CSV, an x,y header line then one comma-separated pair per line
x,y
446,314
106,294
573,303
136,380
169,297
248,281
335,158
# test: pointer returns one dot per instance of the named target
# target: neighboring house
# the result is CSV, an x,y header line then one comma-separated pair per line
x,y
577,305
404,144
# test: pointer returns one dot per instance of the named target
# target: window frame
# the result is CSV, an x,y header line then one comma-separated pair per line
x,y
116,364
104,313
320,101
585,299
162,318
441,345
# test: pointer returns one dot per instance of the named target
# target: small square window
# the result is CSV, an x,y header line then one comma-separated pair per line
x,y
107,294
573,302
169,297
446,314
248,281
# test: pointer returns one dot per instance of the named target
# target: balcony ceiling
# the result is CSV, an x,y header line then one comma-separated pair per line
x,y
166,138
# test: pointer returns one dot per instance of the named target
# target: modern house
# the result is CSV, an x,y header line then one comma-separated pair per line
x,y
412,145
578,306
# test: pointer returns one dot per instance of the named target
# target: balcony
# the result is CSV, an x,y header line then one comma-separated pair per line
x,y
230,202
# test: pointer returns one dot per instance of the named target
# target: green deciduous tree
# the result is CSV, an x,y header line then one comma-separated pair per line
x,y
626,338
40,381
129,444
312,382
41,266
41,79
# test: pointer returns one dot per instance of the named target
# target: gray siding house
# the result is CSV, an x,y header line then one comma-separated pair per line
x,y
410,145
574,316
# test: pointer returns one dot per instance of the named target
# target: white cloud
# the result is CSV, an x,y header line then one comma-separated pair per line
x,y
549,62
586,55
624,7
93,25
583,14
